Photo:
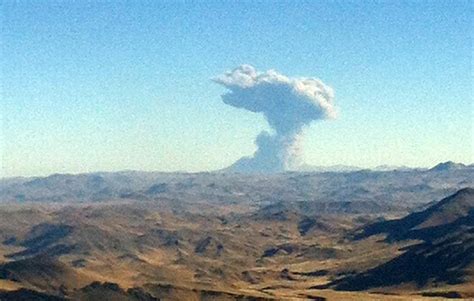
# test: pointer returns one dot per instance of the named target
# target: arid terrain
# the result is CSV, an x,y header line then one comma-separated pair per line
x,y
354,235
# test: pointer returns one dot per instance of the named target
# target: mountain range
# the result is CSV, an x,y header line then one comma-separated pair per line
x,y
358,235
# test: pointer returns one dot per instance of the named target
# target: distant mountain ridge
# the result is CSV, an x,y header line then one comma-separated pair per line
x,y
331,168
350,168
443,166
449,165
336,192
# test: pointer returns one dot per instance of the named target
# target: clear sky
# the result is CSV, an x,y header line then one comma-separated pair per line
x,y
110,85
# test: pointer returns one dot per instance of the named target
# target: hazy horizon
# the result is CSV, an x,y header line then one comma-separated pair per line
x,y
322,168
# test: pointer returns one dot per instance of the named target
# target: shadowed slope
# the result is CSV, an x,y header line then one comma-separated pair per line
x,y
435,221
445,256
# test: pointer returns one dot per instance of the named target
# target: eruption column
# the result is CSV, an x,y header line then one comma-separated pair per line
x,y
288,105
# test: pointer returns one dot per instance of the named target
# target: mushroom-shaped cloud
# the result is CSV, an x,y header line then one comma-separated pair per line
x,y
288,104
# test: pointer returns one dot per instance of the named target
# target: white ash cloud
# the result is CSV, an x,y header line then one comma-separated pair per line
x,y
288,105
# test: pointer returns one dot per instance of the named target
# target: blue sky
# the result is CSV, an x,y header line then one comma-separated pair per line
x,y
110,85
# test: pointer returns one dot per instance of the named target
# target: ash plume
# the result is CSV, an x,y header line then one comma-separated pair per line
x,y
288,104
